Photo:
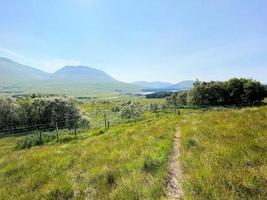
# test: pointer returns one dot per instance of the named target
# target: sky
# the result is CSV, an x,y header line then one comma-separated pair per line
x,y
152,40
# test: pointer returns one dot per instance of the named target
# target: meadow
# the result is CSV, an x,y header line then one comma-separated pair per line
x,y
127,162
223,156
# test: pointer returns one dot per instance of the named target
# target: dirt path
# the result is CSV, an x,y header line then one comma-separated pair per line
x,y
174,185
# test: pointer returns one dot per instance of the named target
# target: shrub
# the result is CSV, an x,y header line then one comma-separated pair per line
x,y
84,122
35,140
116,108
153,107
29,141
131,111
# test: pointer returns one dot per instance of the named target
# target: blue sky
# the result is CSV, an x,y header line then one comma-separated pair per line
x,y
167,40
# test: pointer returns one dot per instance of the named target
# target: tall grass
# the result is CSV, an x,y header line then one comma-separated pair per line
x,y
127,162
224,154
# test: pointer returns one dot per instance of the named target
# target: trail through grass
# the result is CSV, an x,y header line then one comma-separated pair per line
x,y
174,180
127,162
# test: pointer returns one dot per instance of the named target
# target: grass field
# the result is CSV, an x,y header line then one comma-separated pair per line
x,y
127,162
223,157
224,154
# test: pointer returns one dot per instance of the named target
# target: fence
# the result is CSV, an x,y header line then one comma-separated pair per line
x,y
52,126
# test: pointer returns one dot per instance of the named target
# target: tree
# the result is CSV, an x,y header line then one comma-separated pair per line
x,y
181,98
153,107
8,110
131,111
216,93
39,111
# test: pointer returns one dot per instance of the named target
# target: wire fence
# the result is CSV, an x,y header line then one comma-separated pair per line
x,y
51,126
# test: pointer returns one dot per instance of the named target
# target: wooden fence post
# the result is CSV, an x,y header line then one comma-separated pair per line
x,y
57,131
75,130
105,121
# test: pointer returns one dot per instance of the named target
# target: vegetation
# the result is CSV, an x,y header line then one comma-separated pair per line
x,y
224,154
31,113
127,162
158,95
129,110
237,92
223,151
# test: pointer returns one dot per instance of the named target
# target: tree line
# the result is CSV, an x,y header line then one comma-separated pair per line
x,y
159,95
234,92
35,112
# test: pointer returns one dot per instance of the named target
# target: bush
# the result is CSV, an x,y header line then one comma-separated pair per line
x,y
29,141
131,111
84,122
35,140
116,109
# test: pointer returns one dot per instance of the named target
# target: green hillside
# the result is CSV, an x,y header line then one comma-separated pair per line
x,y
15,73
223,156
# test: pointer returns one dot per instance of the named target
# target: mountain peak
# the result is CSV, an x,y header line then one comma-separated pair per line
x,y
82,73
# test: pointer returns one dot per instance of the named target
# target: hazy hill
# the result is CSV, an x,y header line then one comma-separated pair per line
x,y
183,85
82,74
71,80
14,73
152,85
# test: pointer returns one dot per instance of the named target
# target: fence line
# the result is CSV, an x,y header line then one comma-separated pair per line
x,y
44,126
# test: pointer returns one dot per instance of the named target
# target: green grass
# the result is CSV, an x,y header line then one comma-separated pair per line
x,y
96,108
127,162
224,154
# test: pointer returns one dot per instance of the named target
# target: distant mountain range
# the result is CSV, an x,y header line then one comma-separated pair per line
x,y
71,80
164,86
12,72
16,78
152,85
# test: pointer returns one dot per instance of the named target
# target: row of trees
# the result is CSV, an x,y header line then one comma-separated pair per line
x,y
238,92
158,95
34,112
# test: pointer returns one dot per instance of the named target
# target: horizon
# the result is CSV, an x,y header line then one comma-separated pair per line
x,y
132,82
136,40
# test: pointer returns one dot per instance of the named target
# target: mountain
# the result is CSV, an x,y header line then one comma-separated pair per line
x,y
70,80
82,74
183,85
151,85
14,73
